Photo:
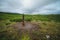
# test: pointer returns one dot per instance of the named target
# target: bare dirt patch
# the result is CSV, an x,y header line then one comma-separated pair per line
x,y
28,26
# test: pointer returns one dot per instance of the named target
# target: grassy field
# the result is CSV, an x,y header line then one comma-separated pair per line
x,y
49,25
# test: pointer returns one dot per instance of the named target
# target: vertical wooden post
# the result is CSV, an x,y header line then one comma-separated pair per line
x,y
23,19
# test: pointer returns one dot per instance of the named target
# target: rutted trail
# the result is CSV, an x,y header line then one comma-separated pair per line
x,y
28,26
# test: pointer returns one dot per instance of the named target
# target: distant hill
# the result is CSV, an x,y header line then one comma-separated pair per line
x,y
8,13
27,13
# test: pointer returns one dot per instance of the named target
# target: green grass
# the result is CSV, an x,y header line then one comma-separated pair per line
x,y
48,25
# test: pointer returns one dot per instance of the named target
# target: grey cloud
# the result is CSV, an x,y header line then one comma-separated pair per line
x,y
51,8
16,6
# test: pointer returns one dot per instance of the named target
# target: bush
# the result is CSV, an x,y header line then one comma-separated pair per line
x,y
28,19
16,20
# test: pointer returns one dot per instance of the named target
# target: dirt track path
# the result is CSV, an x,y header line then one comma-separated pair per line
x,y
28,26
29,29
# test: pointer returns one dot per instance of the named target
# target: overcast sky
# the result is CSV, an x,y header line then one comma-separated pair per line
x,y
31,6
